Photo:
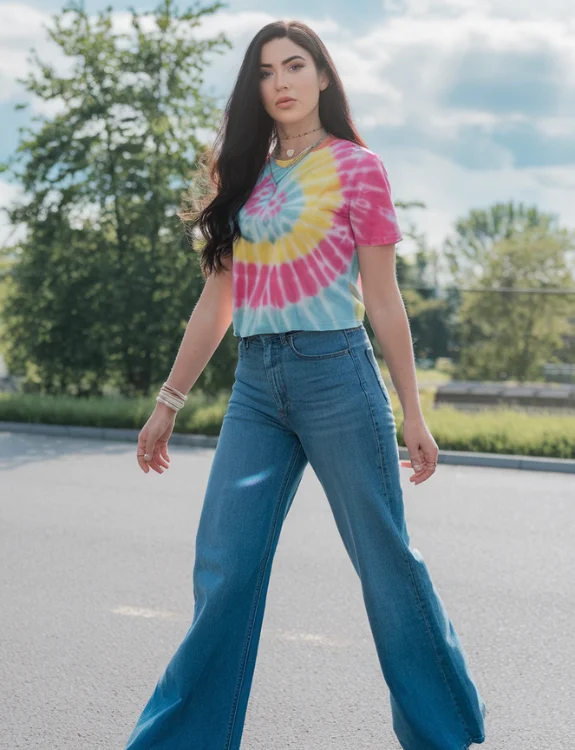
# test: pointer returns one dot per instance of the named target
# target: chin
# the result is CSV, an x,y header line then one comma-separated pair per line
x,y
290,117
286,115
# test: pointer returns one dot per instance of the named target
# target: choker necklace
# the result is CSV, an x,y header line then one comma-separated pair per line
x,y
290,151
296,161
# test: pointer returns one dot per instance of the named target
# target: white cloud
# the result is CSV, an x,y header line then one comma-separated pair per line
x,y
450,190
21,28
247,23
400,74
424,57
513,9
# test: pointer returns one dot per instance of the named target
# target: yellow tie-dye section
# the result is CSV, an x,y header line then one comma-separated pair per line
x,y
358,306
321,193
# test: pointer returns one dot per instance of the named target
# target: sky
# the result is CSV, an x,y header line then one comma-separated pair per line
x,y
468,102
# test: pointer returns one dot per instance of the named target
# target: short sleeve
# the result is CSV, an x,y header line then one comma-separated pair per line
x,y
372,214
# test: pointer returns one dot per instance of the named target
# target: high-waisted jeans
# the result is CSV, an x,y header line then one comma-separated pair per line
x,y
314,396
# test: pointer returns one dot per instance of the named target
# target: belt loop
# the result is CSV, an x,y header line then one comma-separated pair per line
x,y
247,342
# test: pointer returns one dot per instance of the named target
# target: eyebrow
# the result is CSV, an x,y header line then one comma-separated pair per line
x,y
285,62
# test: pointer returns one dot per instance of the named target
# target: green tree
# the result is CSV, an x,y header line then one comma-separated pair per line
x,y
429,314
103,285
467,251
511,334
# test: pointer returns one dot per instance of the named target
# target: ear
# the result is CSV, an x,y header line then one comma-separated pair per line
x,y
323,81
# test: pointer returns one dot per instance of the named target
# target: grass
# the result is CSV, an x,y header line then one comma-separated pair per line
x,y
491,431
201,414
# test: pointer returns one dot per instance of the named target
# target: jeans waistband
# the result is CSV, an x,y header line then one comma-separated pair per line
x,y
284,336
281,336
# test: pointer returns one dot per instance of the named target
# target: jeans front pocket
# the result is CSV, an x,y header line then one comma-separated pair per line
x,y
319,344
369,353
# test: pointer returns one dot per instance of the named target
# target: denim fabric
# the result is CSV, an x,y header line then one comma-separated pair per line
x,y
314,396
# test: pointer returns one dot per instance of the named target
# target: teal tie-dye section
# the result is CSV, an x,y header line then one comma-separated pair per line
x,y
295,264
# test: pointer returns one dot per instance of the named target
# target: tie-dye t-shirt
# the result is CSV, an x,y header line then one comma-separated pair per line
x,y
295,266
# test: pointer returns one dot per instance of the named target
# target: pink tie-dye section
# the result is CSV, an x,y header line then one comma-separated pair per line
x,y
371,211
365,188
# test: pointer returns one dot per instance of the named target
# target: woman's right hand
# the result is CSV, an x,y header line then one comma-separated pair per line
x,y
153,439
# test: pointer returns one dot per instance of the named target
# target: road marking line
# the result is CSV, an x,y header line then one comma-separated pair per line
x,y
148,613
294,635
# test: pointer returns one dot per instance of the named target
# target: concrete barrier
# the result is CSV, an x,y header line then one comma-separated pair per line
x,y
541,396
461,458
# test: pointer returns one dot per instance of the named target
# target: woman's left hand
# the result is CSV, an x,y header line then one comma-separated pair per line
x,y
423,450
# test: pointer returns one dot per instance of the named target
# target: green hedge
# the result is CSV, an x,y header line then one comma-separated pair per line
x,y
494,431
503,431
202,414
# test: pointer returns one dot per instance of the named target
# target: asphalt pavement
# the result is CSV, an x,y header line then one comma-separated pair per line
x,y
95,592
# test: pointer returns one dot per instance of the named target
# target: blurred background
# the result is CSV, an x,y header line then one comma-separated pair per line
x,y
470,104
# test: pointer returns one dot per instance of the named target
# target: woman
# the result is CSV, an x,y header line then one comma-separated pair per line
x,y
303,222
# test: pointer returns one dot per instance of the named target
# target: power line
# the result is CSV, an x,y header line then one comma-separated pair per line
x,y
495,290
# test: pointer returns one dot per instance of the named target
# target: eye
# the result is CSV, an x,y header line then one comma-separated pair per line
x,y
264,73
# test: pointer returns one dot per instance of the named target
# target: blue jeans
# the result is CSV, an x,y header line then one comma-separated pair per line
x,y
314,396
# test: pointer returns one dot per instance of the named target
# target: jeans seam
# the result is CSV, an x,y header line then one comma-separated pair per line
x,y
255,601
285,393
406,555
272,388
472,740
332,355
383,473
437,657
378,376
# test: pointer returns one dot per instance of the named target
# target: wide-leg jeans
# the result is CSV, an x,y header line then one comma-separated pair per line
x,y
317,397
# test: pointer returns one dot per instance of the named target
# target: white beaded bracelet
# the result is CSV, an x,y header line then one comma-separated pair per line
x,y
173,406
170,400
171,388
167,396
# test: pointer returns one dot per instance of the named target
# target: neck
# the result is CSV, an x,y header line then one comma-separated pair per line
x,y
294,132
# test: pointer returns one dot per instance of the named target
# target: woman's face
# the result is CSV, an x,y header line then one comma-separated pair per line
x,y
288,70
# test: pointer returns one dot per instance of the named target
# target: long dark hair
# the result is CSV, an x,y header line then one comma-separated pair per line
x,y
228,171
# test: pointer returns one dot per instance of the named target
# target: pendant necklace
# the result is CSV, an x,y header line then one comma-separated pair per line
x,y
296,161
290,151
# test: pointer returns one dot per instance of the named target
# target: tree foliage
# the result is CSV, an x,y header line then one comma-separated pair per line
x,y
103,285
467,251
430,314
512,333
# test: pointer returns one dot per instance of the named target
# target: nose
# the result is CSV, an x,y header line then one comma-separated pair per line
x,y
279,82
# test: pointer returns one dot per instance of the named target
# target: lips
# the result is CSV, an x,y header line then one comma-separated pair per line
x,y
285,99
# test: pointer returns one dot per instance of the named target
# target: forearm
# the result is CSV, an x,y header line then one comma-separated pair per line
x,y
391,327
206,328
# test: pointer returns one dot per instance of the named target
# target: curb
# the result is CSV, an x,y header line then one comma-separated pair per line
x,y
460,458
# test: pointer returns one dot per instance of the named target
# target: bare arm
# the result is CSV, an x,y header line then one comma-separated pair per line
x,y
206,328
388,317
